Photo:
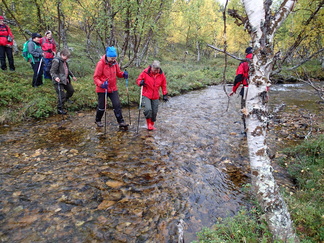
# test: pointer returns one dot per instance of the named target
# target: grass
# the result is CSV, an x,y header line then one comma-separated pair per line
x,y
305,163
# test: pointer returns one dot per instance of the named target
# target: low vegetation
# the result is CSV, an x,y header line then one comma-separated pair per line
x,y
305,164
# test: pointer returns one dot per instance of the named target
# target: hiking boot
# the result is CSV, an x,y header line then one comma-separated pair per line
x,y
123,124
62,112
99,124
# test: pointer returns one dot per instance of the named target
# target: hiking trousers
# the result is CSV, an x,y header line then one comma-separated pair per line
x,y
114,97
37,77
6,51
151,108
63,94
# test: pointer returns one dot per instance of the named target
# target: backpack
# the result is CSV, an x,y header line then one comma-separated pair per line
x,y
25,53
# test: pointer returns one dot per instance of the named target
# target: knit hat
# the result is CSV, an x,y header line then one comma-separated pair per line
x,y
111,51
34,35
249,50
1,18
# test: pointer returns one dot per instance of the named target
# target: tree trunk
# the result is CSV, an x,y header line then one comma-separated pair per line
x,y
262,29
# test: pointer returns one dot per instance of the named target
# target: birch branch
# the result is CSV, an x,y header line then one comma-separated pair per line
x,y
226,53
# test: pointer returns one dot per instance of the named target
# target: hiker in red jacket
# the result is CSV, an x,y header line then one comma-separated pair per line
x,y
105,79
242,77
242,73
48,45
152,79
6,43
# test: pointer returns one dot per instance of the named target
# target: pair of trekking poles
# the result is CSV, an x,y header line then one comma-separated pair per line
x,y
129,115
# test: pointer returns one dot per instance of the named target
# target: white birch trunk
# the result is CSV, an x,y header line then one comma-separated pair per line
x,y
263,27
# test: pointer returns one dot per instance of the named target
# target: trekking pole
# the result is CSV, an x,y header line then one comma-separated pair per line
x,y
129,115
106,110
39,67
139,109
60,98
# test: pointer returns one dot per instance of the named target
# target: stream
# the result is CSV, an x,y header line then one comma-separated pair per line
x,y
65,180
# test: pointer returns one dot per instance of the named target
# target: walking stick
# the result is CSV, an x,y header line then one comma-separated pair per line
x,y
106,110
129,115
39,67
61,103
139,109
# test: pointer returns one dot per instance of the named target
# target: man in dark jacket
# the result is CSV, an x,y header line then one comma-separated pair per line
x,y
61,74
34,48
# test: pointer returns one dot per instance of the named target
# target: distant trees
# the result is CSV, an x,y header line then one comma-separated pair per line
x,y
139,28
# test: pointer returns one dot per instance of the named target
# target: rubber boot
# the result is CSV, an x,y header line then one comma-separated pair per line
x,y
148,123
152,125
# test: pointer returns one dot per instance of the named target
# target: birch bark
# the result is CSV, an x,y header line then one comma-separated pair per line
x,y
262,26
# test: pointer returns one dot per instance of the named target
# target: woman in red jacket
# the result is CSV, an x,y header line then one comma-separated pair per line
x,y
6,42
106,83
48,45
152,79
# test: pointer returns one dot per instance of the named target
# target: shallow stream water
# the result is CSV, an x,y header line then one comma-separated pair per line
x,y
63,179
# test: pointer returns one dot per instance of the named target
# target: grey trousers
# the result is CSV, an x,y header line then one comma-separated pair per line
x,y
151,108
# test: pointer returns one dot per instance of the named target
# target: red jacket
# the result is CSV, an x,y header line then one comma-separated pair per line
x,y
152,83
4,32
48,47
242,74
105,71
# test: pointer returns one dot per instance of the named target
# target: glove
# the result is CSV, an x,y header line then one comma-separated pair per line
x,y
142,83
165,98
125,75
104,85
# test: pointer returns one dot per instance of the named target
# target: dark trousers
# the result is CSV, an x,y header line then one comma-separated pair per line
x,y
64,92
6,51
38,74
114,97
47,67
151,108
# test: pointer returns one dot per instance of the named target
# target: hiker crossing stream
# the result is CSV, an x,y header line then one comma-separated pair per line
x,y
65,180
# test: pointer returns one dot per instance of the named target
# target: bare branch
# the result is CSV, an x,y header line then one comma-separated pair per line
x,y
240,20
299,64
225,52
301,36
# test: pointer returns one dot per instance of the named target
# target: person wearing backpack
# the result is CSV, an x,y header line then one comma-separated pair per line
x,y
61,74
242,73
241,78
48,45
6,43
36,59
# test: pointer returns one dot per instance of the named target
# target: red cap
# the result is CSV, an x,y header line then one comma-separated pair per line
x,y
1,18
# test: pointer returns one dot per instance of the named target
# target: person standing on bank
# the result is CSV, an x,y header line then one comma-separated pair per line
x,y
152,79
105,79
48,45
61,74
34,48
6,43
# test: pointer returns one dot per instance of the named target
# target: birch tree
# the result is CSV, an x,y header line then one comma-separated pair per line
x,y
262,25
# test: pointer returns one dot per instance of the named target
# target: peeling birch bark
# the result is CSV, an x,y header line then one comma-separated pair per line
x,y
263,25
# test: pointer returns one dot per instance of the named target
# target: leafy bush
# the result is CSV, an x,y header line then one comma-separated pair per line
x,y
244,227
305,164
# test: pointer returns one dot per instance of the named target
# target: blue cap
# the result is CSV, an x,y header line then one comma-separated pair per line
x,y
111,51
